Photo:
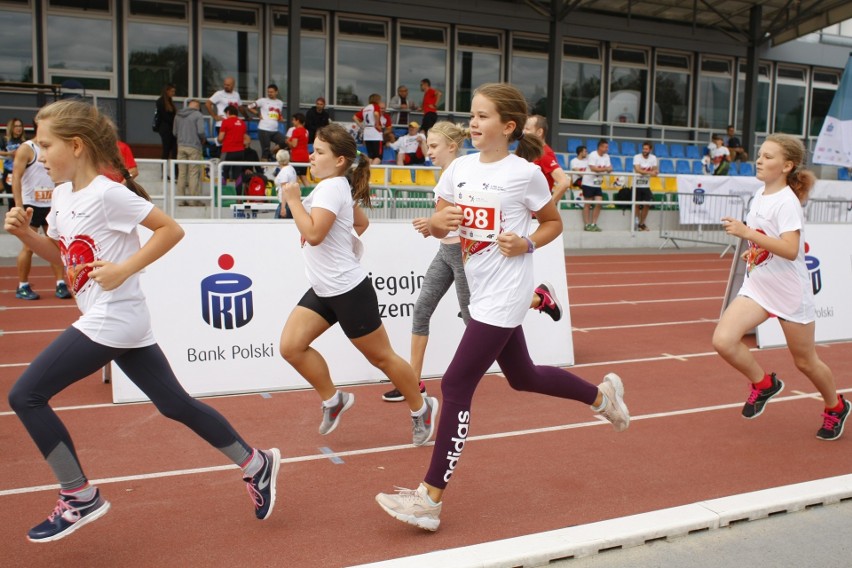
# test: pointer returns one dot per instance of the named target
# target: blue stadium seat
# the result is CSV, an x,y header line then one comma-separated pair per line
x,y
666,166
734,169
572,145
661,150
843,174
592,144
617,163
746,169
693,152
613,148
697,168
677,151
628,149
562,159
388,154
682,167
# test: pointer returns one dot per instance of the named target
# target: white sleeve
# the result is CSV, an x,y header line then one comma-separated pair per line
x,y
124,210
444,187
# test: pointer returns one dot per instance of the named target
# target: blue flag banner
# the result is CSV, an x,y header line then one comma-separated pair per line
x,y
834,145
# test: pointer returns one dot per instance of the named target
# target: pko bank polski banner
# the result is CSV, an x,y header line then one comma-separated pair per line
x,y
829,260
220,298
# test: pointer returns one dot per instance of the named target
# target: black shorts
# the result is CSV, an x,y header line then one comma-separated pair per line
x,y
357,310
301,170
374,149
644,194
591,191
39,216
413,158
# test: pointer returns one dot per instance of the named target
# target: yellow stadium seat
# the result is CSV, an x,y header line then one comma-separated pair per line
x,y
311,178
377,176
671,184
400,176
657,184
425,177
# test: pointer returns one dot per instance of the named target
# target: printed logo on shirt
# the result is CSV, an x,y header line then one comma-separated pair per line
x,y
813,269
756,255
226,298
77,256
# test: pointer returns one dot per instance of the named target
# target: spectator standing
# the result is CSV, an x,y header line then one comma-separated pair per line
x,y
599,164
401,105
189,131
735,146
227,96
431,101
232,135
271,111
579,163
369,119
646,166
33,188
316,117
166,112
12,141
557,179
298,142
286,174
411,148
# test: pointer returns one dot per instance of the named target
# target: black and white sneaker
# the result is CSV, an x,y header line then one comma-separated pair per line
x,y
832,425
759,397
396,396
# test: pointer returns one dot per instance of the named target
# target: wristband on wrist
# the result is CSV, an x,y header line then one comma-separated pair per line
x,y
530,245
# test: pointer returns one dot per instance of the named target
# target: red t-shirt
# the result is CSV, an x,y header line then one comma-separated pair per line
x,y
299,152
126,157
235,130
548,163
430,100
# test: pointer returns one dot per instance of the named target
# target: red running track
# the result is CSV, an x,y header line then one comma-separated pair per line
x,y
532,463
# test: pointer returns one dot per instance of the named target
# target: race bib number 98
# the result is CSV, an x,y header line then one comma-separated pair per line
x,y
480,215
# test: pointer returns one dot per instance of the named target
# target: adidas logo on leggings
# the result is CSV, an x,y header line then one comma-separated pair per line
x,y
458,443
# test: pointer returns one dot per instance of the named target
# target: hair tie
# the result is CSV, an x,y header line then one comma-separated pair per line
x,y
521,137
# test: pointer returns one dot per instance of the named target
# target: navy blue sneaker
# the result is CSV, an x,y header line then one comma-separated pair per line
x,y
69,515
26,293
261,487
62,291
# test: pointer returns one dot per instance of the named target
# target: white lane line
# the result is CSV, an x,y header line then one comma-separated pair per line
x,y
383,449
11,365
634,284
638,325
27,331
71,306
637,302
813,395
679,358
657,272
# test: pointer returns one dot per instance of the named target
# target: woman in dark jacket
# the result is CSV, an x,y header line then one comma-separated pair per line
x,y
165,122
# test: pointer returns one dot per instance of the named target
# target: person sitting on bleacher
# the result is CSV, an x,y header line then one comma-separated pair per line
x,y
735,147
410,148
718,161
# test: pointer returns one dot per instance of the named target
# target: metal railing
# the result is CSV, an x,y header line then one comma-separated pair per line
x,y
698,219
828,211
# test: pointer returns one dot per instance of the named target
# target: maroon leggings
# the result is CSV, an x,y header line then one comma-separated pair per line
x,y
480,346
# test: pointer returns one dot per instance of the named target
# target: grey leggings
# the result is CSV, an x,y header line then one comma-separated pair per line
x,y
446,267
73,356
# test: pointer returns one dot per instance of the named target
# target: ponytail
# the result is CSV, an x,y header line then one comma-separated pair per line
x,y
359,180
530,148
801,181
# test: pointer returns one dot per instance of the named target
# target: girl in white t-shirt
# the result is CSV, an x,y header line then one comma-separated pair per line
x,y
777,283
93,232
340,289
489,197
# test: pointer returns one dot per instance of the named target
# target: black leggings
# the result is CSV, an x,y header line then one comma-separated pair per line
x,y
73,356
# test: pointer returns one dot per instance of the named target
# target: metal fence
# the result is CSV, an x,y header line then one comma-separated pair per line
x,y
828,211
697,217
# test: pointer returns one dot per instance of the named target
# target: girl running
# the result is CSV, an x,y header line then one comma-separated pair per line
x,y
497,192
340,289
92,231
777,283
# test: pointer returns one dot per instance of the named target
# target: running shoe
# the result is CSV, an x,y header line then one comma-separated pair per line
x,y
396,396
412,506
62,291
423,426
832,425
587,227
331,416
595,229
261,486
549,302
69,515
758,398
26,293
615,411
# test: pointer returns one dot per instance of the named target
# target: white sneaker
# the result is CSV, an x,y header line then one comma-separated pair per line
x,y
331,416
423,426
411,506
615,410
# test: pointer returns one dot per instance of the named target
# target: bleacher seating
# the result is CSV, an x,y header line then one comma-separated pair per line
x,y
661,150
572,145
693,152
562,159
666,166
617,163
682,167
843,174
697,168
401,176
613,148
592,144
734,169
746,169
628,149
677,151
425,177
388,154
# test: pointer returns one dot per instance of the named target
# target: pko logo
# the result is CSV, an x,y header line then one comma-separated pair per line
x,y
813,268
698,195
226,299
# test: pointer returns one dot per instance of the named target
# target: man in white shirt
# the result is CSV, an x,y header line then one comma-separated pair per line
x,y
599,164
271,112
410,148
218,101
646,166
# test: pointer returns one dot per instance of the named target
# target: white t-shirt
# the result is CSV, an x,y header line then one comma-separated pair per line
x,y
646,165
332,267
99,222
222,100
719,153
286,174
270,112
372,131
36,185
578,165
500,286
596,179
781,287
408,144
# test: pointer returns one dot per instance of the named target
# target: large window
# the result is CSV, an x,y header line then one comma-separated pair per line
x,y
714,93
16,44
824,85
362,60
157,47
422,55
478,60
764,82
230,47
582,70
628,85
672,89
90,63
529,70
312,61
791,89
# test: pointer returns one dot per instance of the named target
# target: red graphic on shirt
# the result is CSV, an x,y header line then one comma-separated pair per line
x,y
756,255
76,256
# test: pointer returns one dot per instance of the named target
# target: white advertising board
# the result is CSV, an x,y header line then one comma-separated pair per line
x,y
220,298
829,260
